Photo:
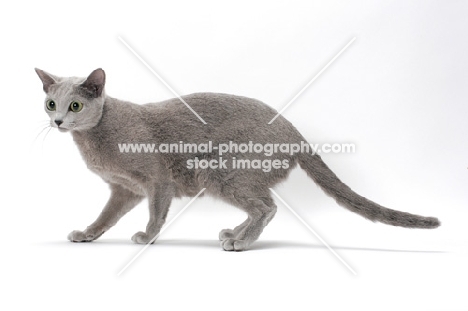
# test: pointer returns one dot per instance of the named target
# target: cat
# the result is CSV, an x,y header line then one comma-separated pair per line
x,y
99,123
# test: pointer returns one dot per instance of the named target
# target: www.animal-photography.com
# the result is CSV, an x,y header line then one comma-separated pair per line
x,y
257,155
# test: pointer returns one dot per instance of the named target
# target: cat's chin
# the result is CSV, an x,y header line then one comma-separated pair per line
x,y
63,130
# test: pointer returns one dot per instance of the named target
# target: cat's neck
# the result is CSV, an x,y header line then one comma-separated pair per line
x,y
114,114
90,133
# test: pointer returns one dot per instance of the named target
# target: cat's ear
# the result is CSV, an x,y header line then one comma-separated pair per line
x,y
94,84
46,78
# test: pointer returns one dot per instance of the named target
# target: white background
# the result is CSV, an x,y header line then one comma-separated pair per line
x,y
399,93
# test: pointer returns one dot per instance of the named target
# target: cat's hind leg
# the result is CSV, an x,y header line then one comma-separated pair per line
x,y
260,211
120,202
232,233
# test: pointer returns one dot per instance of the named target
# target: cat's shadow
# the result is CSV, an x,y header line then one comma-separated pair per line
x,y
257,246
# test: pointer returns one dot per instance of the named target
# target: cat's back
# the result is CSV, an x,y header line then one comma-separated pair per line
x,y
215,107
226,116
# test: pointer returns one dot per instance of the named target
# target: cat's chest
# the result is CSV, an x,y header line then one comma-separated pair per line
x,y
99,158
93,154
111,166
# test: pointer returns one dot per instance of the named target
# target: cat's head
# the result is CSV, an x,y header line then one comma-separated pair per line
x,y
74,104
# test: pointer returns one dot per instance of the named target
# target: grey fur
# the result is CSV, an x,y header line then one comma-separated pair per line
x,y
105,122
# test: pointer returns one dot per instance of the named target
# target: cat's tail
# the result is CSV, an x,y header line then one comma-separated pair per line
x,y
331,185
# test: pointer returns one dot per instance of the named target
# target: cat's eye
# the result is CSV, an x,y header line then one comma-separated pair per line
x,y
50,105
76,106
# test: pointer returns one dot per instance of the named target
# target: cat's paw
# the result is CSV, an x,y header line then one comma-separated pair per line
x,y
226,234
234,245
141,238
79,236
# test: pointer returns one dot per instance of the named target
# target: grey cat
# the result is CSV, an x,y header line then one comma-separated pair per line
x,y
99,123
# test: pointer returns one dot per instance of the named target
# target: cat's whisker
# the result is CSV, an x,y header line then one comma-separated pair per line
x,y
40,132
43,123
45,129
43,139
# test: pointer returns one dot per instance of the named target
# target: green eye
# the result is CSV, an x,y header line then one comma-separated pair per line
x,y
50,105
76,106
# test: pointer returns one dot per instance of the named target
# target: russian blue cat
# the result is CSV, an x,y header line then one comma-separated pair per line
x,y
98,123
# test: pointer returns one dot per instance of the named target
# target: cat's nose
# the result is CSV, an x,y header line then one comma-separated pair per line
x,y
58,122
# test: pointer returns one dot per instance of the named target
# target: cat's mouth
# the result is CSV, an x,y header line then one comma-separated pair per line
x,y
62,130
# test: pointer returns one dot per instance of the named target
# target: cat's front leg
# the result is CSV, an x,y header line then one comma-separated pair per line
x,y
159,202
120,202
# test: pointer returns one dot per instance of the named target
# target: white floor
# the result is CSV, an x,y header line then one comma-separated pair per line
x,y
288,268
